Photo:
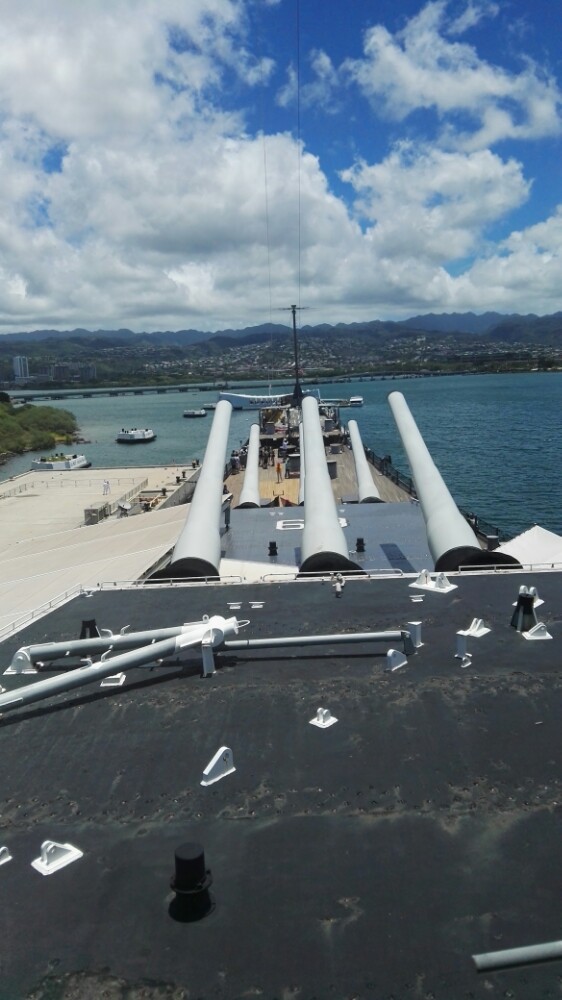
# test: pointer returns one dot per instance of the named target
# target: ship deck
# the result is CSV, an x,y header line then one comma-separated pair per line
x,y
344,485
371,859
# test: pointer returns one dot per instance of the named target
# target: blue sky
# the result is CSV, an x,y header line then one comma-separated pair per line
x,y
151,175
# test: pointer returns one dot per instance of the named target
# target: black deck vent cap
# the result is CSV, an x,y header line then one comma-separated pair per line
x,y
190,883
191,876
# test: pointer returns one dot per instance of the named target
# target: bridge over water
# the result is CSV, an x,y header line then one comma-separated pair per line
x,y
33,395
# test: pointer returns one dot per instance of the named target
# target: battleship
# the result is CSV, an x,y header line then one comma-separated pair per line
x,y
312,751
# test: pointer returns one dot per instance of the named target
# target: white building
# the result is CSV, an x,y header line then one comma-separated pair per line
x,y
21,368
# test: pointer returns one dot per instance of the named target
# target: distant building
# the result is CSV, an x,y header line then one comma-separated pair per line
x,y
62,371
21,368
88,372
73,371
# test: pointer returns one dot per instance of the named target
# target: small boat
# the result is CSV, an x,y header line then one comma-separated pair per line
x,y
195,413
60,463
209,406
136,435
356,400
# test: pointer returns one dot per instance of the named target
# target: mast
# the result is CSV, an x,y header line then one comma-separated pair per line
x,y
297,391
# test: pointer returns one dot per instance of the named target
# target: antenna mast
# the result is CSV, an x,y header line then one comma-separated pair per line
x,y
297,391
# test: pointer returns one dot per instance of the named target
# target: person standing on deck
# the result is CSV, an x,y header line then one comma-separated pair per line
x,y
278,471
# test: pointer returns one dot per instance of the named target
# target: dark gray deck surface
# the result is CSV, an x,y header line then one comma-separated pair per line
x,y
252,530
371,859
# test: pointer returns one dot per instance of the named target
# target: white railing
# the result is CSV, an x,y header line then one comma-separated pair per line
x,y
28,616
65,482
538,567
173,582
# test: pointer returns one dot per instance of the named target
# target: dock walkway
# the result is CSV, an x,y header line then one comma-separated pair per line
x,y
49,549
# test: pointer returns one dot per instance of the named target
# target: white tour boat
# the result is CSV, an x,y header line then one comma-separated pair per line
x,y
136,435
61,463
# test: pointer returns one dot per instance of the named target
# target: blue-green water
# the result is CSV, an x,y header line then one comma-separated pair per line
x,y
495,438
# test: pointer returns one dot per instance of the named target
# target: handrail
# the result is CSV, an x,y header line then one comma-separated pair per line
x,y
60,483
522,567
18,623
177,581
384,465
350,576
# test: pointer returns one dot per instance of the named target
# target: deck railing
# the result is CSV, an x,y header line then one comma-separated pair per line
x,y
28,616
480,525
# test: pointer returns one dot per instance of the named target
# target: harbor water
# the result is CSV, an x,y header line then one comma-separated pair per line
x,y
495,438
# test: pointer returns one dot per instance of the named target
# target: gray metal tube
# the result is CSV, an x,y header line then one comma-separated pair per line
x,y
198,549
49,651
302,473
395,635
324,546
368,492
451,540
133,640
250,495
518,956
213,630
85,675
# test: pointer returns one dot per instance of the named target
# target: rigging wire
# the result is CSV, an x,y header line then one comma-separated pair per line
x,y
298,76
267,239
267,227
297,307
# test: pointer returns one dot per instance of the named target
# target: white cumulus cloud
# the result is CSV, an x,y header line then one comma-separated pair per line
x,y
419,67
134,190
432,203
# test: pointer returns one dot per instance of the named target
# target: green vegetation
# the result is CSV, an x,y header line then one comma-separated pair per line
x,y
30,428
442,344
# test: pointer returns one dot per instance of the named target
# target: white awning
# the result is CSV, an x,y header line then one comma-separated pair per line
x,y
537,546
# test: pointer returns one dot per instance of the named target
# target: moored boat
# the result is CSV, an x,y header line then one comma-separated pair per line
x,y
60,462
135,435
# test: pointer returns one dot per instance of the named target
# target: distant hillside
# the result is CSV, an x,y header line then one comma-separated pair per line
x,y
535,330
78,334
489,326
456,322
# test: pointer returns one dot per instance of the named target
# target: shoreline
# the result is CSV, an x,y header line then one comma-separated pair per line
x,y
44,391
6,456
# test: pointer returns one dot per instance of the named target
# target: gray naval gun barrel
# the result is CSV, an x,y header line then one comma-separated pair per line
x,y
250,495
324,546
302,473
368,492
197,551
451,540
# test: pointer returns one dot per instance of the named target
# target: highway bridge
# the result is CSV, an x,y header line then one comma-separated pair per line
x,y
35,395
